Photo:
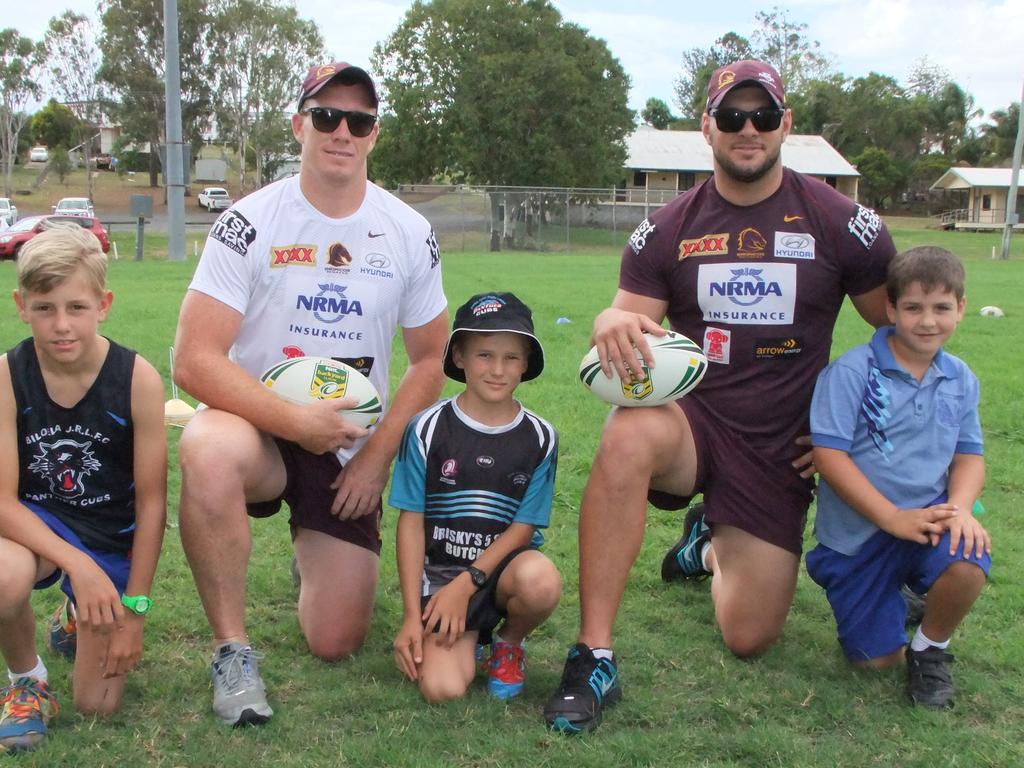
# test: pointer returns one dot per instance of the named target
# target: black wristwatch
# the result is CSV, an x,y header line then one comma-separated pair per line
x,y
479,577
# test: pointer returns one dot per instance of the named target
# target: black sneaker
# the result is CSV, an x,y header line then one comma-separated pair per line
x,y
929,679
683,561
915,606
588,686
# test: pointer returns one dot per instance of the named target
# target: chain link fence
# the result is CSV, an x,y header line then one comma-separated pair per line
x,y
552,219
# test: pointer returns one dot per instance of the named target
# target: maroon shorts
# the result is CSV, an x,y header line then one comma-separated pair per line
x,y
744,487
308,493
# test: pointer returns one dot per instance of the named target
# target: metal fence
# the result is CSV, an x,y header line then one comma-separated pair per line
x,y
533,218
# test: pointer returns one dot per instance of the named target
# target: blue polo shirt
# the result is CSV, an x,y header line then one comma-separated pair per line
x,y
901,433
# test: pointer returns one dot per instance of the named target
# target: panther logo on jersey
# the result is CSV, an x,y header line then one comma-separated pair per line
x,y
64,465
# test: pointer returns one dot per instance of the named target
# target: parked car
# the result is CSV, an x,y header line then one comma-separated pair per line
x,y
214,199
104,162
74,206
8,211
27,228
38,155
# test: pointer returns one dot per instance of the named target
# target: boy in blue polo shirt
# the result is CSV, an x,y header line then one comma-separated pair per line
x,y
898,446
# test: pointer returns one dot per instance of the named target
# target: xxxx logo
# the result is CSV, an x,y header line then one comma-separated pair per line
x,y
706,245
303,255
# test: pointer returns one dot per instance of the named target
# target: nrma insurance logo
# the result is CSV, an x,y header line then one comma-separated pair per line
x,y
330,305
761,295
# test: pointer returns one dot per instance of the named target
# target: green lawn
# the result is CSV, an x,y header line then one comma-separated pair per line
x,y
687,701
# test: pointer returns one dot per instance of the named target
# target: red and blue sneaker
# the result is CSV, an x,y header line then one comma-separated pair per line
x,y
62,631
26,706
506,670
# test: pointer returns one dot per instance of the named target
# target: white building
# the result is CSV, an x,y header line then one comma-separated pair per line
x,y
661,164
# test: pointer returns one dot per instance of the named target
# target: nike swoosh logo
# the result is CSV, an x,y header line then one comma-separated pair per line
x,y
786,219
375,234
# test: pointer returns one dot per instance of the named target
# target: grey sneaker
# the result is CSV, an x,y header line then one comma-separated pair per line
x,y
929,678
239,696
915,606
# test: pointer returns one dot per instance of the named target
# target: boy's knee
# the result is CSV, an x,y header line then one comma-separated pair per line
x,y
16,577
436,689
101,703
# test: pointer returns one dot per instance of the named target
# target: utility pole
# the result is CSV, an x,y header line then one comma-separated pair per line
x,y
175,173
1011,196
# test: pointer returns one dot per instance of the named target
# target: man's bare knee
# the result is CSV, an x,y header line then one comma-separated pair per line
x,y
750,641
335,646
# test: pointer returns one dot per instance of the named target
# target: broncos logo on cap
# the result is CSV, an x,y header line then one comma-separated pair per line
x,y
325,71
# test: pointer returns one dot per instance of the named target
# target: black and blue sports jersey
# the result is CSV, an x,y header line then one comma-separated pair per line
x,y
471,482
77,463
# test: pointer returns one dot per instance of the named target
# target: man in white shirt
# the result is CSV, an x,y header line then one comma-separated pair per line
x,y
324,263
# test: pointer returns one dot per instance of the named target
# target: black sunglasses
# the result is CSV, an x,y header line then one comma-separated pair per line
x,y
731,120
327,120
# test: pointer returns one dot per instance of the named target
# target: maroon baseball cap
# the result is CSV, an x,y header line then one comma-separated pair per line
x,y
321,74
745,72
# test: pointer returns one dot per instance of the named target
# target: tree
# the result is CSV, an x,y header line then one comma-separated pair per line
x,y
500,94
881,177
56,126
132,42
657,114
19,63
72,65
784,44
699,64
999,136
263,50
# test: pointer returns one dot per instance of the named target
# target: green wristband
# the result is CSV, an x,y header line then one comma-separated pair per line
x,y
137,604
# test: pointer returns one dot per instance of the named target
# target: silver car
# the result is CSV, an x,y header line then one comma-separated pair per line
x,y
8,211
74,206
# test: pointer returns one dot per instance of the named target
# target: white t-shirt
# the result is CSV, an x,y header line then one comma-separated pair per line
x,y
308,284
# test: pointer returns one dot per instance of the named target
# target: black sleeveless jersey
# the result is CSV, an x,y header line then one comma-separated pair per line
x,y
78,463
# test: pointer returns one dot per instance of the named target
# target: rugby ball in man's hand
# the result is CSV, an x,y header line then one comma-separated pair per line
x,y
679,367
302,379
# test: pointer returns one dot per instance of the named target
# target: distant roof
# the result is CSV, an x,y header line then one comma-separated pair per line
x,y
648,149
964,178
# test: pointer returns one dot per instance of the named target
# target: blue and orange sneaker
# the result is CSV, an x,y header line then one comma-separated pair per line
x,y
588,686
506,670
26,706
62,631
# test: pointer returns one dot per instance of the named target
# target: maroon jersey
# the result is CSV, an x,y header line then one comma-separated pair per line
x,y
759,288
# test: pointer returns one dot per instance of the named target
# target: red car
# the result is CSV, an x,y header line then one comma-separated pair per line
x,y
23,230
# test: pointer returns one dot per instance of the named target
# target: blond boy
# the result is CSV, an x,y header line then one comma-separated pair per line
x,y
83,473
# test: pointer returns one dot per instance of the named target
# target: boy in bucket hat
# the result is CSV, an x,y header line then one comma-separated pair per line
x,y
474,482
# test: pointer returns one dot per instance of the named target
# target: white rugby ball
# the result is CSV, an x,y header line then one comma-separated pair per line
x,y
679,366
990,311
302,379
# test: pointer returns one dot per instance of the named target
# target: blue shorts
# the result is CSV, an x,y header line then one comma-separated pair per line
x,y
864,589
115,564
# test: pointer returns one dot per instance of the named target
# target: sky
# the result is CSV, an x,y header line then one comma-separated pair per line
x,y
976,41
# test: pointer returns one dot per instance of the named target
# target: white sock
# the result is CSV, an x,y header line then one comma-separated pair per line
x,y
704,552
38,672
602,653
496,638
922,642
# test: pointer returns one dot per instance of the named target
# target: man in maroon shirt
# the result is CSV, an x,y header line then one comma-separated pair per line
x,y
754,265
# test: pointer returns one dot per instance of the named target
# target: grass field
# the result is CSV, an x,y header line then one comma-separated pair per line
x,y
687,701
